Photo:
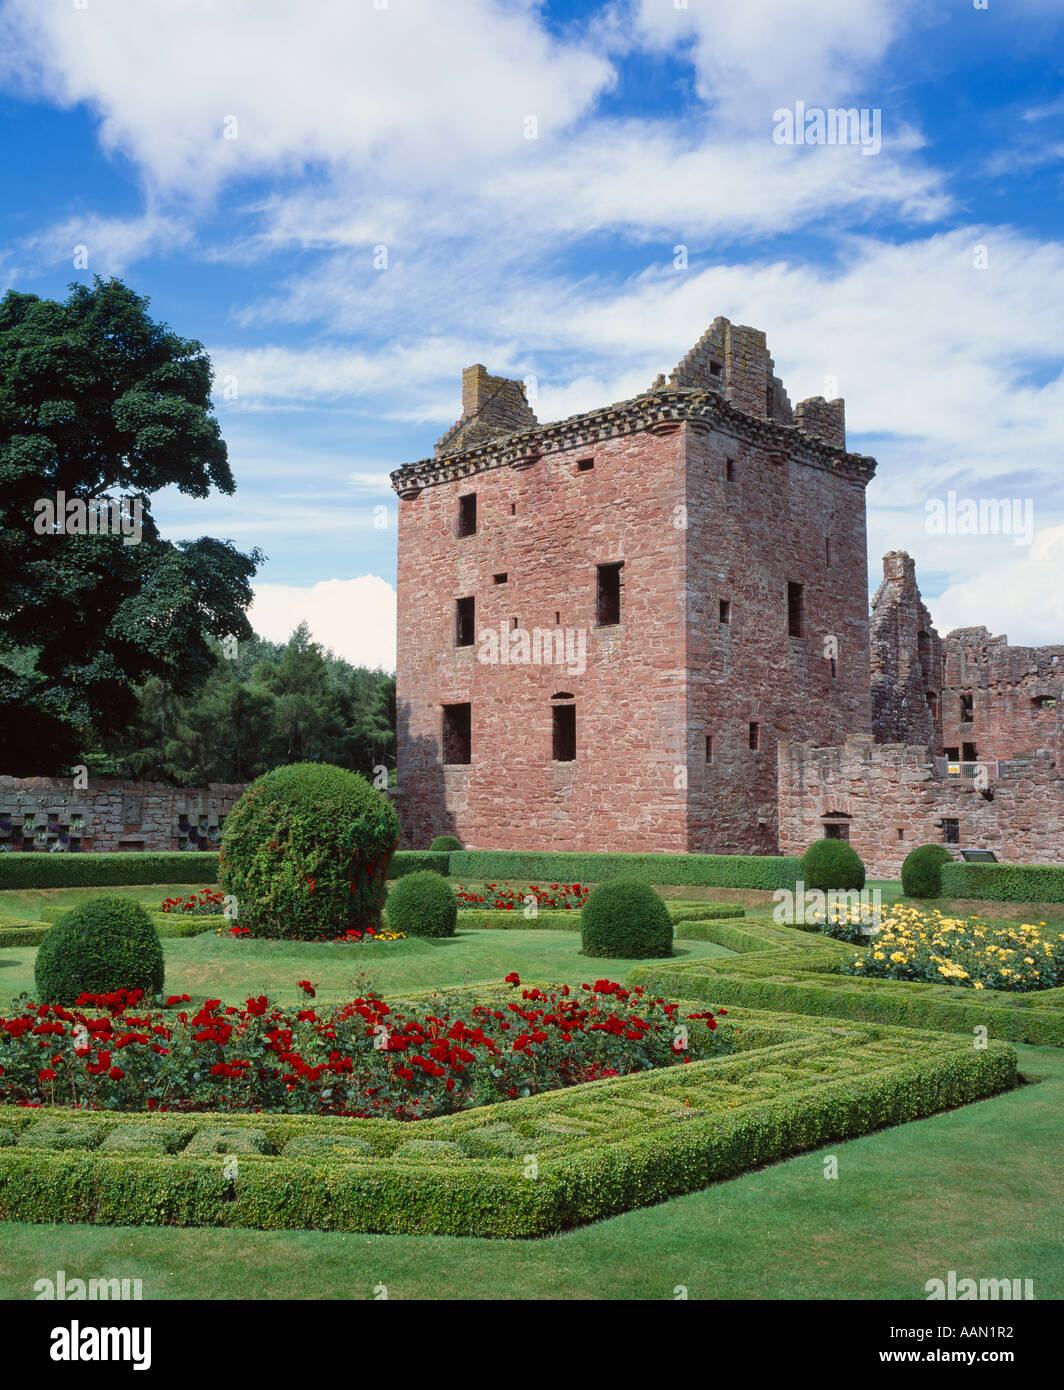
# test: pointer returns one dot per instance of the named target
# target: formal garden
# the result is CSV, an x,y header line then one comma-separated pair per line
x,y
553,1060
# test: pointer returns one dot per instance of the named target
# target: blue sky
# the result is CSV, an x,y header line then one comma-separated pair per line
x,y
403,124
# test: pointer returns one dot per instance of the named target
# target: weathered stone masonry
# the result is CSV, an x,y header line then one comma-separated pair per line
x,y
37,812
738,529
896,797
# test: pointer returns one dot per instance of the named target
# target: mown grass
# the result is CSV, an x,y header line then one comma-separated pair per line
x,y
977,1190
237,969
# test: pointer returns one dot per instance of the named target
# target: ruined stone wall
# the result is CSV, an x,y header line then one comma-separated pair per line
x,y
895,800
492,406
1017,700
906,660
36,812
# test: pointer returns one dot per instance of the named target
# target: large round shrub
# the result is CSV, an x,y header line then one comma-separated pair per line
x,y
446,843
832,864
625,918
306,851
423,904
921,874
103,944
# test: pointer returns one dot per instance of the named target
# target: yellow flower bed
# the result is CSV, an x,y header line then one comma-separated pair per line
x,y
924,944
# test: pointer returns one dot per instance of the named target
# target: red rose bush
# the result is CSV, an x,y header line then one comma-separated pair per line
x,y
362,1058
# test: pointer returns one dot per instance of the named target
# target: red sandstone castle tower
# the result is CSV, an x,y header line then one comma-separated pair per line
x,y
607,624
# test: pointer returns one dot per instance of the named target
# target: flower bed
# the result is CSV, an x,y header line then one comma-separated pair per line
x,y
365,1058
500,897
354,937
916,944
208,902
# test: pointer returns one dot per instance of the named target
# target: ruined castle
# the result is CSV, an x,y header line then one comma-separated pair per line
x,y
646,627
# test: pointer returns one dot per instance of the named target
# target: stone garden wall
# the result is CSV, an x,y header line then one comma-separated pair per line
x,y
889,798
39,812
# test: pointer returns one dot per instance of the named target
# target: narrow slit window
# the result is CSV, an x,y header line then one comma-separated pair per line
x,y
563,719
967,703
464,622
467,514
755,735
729,470
608,606
796,610
725,612
709,748
457,734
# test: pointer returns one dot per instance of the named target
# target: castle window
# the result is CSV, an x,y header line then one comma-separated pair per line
x,y
755,736
932,704
951,832
952,755
836,830
1044,702
729,470
563,733
834,668
966,703
709,748
557,619
500,578
457,734
608,604
464,622
513,508
584,465
714,369
968,753
796,610
467,514
923,650
725,611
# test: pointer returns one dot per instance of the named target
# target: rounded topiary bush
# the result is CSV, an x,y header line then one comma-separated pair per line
x,y
102,945
626,919
423,904
306,851
446,843
832,864
921,874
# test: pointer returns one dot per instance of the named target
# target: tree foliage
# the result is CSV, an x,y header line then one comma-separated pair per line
x,y
98,400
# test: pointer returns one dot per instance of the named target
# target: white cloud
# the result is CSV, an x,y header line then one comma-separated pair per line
x,y
354,618
1020,594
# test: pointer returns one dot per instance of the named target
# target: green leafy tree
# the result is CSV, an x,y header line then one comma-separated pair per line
x,y
98,400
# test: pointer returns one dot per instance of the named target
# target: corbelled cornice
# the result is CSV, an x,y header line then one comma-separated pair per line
x,y
654,412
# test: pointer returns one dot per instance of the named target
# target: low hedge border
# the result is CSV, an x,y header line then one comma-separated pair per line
x,y
567,919
795,971
18,870
1004,883
31,932
517,1168
703,870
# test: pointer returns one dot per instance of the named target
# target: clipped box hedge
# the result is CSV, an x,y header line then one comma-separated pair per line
x,y
1004,883
598,1149
106,870
415,861
701,870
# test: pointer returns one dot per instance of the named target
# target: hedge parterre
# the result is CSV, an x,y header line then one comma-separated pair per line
x,y
520,1167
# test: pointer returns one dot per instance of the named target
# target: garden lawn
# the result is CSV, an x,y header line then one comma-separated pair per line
x,y
233,970
978,1190
28,902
